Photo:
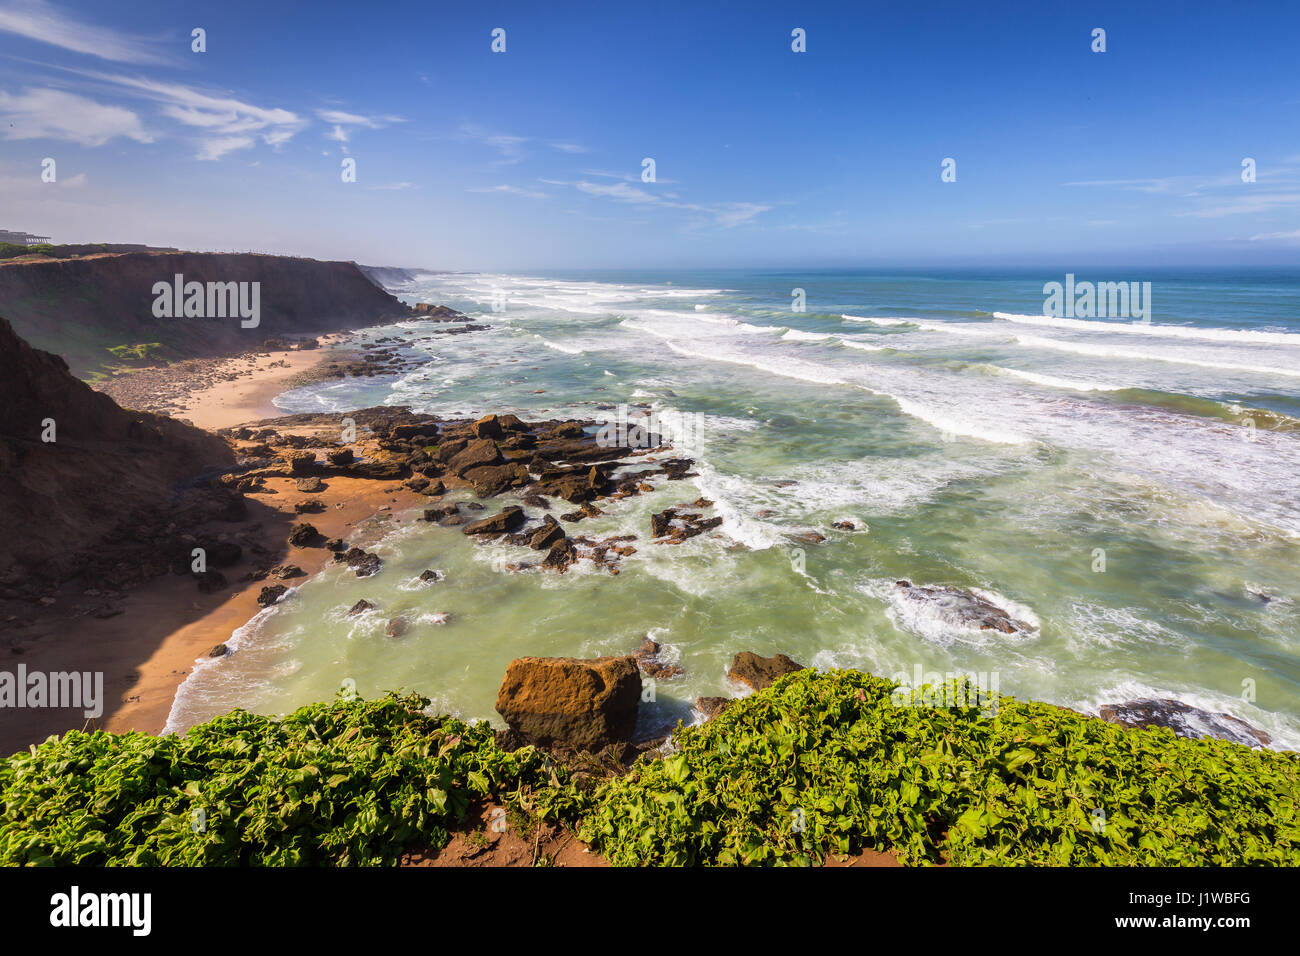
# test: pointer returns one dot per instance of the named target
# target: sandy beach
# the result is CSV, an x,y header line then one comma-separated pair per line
x,y
219,392
148,649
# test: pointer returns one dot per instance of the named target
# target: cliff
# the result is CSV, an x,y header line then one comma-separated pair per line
x,y
95,495
81,308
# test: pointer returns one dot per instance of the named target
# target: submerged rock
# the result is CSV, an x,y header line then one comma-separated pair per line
x,y
583,703
961,608
1184,720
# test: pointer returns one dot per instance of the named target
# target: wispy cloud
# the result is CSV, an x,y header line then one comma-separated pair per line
x,y
392,186
512,190
509,148
222,122
41,21
344,123
724,214
55,114
1277,236
569,147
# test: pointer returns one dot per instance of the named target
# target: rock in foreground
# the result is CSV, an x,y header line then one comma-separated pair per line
x,y
583,703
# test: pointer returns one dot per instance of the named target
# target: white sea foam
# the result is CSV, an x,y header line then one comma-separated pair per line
x,y
1147,355
878,320
1242,336
1052,381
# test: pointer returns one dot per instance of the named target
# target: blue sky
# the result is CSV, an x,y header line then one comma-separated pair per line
x,y
532,158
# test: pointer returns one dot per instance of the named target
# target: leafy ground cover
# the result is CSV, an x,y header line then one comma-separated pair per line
x,y
817,764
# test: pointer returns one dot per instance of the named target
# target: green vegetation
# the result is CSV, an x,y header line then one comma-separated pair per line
x,y
345,783
71,250
817,764
833,753
143,352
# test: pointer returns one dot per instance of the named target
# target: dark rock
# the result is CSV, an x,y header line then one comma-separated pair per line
x,y
1184,720
545,536
219,650
303,535
340,456
560,556
481,451
359,607
488,481
963,609
310,485
504,521
271,595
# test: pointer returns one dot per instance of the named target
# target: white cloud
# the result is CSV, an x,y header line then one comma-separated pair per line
x,y
217,147
38,20
724,214
55,114
226,123
1272,236
392,186
512,190
569,147
342,121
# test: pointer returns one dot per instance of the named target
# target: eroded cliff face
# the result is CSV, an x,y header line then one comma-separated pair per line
x,y
99,494
80,308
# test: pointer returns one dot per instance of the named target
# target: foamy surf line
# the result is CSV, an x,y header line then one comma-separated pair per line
x,y
1051,381
1241,336
1102,351
947,424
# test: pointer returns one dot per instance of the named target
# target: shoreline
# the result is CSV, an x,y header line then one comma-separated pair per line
x,y
232,390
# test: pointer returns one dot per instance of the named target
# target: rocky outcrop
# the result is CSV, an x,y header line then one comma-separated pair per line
x,y
761,673
582,703
89,488
1184,720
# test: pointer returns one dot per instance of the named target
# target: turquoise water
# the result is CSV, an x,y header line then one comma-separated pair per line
x,y
1128,489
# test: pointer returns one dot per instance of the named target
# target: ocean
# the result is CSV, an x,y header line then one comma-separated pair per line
x,y
1129,488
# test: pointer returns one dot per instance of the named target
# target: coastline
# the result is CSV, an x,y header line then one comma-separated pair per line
x,y
148,647
222,392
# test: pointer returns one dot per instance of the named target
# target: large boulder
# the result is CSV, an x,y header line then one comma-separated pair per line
x,y
479,452
488,481
582,703
761,672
